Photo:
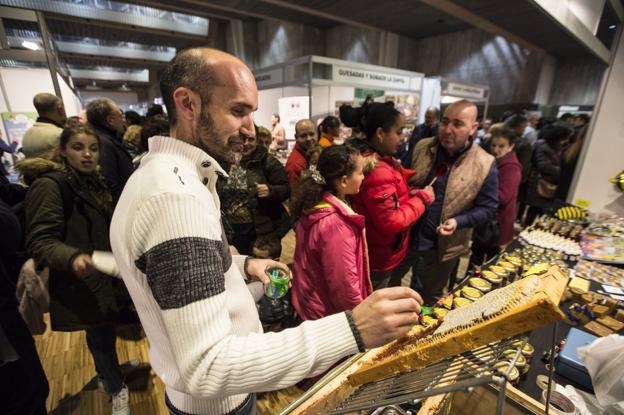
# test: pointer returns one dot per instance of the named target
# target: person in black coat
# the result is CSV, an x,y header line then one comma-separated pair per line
x,y
425,130
546,163
115,161
68,209
252,200
22,379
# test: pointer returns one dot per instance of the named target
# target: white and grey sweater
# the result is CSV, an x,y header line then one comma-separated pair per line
x,y
206,340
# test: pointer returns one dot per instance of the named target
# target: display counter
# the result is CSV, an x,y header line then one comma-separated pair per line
x,y
498,391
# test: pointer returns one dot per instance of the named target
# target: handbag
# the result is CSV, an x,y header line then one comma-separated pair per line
x,y
545,189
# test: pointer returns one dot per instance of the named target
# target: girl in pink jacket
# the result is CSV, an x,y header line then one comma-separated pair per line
x,y
331,272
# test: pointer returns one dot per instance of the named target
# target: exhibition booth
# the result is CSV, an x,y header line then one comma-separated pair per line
x,y
286,89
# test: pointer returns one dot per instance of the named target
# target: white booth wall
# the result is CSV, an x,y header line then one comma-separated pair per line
x,y
72,103
268,103
431,96
603,154
21,85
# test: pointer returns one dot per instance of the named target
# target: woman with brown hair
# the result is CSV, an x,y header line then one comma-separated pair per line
x,y
68,210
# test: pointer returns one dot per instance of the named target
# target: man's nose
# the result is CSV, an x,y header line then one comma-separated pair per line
x,y
248,123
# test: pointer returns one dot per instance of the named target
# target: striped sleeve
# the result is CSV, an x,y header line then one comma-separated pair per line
x,y
177,245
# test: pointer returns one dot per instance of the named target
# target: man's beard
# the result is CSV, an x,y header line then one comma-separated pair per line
x,y
209,141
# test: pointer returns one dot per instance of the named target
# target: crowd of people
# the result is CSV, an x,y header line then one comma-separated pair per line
x,y
194,205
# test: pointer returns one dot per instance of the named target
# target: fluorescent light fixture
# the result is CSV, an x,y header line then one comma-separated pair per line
x,y
30,45
612,27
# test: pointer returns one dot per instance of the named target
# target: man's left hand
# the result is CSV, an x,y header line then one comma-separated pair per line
x,y
447,228
263,190
256,269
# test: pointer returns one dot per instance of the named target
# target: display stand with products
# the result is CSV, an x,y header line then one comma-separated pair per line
x,y
478,369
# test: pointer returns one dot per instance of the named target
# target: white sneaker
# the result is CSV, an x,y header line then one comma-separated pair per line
x,y
121,404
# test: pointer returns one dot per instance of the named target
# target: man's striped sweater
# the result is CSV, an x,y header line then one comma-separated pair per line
x,y
206,340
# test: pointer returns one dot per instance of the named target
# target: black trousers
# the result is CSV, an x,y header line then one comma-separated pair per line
x,y
101,341
482,253
429,276
23,382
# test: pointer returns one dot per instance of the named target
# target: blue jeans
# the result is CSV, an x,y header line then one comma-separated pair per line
x,y
248,407
101,341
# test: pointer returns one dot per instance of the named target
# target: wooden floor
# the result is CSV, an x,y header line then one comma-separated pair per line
x,y
73,385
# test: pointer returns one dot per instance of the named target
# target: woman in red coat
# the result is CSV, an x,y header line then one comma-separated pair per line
x,y
509,177
389,206
331,261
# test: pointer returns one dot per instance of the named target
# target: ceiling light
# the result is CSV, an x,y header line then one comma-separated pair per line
x,y
30,45
612,27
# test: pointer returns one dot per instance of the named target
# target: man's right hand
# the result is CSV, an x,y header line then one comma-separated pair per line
x,y
83,266
386,315
430,192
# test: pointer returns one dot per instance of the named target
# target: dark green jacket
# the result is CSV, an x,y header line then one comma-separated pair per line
x,y
53,241
270,217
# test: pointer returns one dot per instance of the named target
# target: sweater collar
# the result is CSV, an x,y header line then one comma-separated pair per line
x,y
193,155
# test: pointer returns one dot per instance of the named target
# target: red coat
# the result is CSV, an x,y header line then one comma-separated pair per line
x,y
295,164
390,212
509,178
331,263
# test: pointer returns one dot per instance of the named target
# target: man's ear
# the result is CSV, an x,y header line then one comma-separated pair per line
x,y
475,127
187,103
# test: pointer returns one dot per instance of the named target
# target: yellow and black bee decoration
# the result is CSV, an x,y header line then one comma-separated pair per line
x,y
570,213
618,181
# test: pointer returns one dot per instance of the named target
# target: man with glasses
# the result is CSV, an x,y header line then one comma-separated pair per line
x,y
305,137
110,124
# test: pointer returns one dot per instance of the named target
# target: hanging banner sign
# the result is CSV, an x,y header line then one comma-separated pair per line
x,y
465,91
372,78
269,78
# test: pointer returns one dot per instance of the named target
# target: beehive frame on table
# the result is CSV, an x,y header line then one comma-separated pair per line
x,y
517,308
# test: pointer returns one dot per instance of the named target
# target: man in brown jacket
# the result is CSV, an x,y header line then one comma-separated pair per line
x,y
465,181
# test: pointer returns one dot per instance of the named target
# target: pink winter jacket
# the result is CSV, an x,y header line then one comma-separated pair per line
x,y
331,272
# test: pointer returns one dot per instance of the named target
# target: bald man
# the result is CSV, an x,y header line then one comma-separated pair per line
x,y
466,196
197,301
45,132
305,137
